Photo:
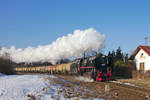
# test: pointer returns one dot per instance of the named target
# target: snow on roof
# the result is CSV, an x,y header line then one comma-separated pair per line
x,y
144,48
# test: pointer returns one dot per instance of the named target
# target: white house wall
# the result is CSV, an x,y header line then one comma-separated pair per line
x,y
145,59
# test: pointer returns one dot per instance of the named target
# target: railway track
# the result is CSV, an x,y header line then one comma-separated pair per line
x,y
134,89
131,92
119,90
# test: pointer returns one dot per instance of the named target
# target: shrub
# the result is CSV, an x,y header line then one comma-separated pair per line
x,y
122,69
5,66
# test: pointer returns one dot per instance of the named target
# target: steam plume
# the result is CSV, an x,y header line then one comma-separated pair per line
x,y
72,45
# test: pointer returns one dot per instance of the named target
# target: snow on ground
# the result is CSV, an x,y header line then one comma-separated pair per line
x,y
24,87
80,78
1,74
123,83
31,87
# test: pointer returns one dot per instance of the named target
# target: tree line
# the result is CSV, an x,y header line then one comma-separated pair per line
x,y
5,64
122,66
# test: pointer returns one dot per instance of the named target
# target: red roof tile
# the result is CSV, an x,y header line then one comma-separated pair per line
x,y
145,48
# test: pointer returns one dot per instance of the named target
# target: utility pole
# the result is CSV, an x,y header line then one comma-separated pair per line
x,y
146,39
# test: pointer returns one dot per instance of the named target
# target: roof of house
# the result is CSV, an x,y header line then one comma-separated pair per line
x,y
144,48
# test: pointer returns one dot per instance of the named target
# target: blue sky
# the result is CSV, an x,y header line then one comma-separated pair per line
x,y
26,23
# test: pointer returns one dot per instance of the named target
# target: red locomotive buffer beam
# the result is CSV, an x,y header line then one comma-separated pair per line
x,y
109,74
103,76
98,76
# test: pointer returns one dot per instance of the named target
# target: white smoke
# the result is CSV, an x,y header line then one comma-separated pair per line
x,y
72,45
84,79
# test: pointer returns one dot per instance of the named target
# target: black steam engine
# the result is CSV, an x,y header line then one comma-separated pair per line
x,y
97,67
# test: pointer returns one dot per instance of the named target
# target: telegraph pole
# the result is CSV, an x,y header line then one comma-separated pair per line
x,y
146,39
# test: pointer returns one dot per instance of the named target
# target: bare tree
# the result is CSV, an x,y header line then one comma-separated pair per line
x,y
5,64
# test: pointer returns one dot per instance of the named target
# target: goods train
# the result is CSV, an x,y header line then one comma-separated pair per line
x,y
97,67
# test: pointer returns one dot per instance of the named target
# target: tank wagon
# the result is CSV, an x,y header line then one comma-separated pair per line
x,y
97,67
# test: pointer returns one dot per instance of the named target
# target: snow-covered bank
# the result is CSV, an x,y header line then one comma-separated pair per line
x,y
1,74
23,87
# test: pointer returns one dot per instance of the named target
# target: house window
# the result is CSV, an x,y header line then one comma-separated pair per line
x,y
141,55
142,65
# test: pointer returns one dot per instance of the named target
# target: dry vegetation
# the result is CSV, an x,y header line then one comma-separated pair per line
x,y
5,65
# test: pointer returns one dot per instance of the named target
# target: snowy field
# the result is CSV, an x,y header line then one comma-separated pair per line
x,y
26,87
31,87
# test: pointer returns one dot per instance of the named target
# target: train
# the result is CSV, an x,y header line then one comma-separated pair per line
x,y
98,68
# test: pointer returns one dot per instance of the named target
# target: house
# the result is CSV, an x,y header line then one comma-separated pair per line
x,y
141,56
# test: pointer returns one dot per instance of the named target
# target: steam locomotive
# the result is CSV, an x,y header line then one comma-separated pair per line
x,y
97,67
